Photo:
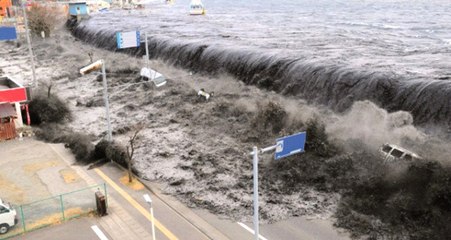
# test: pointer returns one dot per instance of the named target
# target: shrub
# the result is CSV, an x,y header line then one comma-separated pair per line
x,y
45,109
81,146
100,149
50,133
116,153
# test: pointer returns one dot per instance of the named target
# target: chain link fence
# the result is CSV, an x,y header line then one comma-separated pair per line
x,y
55,210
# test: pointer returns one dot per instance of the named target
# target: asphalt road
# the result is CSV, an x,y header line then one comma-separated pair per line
x,y
75,229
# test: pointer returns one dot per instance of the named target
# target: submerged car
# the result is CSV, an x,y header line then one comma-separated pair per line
x,y
391,153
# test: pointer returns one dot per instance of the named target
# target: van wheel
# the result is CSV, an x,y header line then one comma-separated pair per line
x,y
4,228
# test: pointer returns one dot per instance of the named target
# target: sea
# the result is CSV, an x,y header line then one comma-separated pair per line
x,y
396,53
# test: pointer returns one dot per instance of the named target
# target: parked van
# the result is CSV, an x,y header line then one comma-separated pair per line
x,y
391,152
8,217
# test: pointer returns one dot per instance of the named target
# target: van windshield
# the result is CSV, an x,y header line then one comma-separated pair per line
x,y
396,153
3,209
386,148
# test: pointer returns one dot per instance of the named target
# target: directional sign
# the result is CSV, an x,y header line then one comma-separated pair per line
x,y
127,39
8,33
290,145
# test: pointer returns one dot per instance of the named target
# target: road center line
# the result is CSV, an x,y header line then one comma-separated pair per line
x,y
250,230
99,232
135,204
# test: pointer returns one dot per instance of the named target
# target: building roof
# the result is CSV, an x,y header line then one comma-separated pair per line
x,y
6,110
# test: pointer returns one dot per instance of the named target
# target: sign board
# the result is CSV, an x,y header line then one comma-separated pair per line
x,y
8,33
127,39
290,145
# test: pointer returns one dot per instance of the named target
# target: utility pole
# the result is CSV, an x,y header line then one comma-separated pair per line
x,y
30,50
107,105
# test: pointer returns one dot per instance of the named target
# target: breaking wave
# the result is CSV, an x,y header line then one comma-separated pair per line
x,y
400,62
334,86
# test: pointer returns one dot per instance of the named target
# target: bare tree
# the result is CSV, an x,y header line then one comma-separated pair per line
x,y
131,149
90,54
48,85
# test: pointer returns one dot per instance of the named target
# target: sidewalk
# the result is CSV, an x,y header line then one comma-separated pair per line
x,y
125,222
33,170
119,224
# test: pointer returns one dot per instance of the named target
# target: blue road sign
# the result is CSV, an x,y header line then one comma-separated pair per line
x,y
128,39
8,33
290,145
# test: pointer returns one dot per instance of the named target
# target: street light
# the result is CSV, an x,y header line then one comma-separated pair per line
x,y
92,67
149,201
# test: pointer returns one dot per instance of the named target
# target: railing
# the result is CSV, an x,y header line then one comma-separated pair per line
x,y
55,210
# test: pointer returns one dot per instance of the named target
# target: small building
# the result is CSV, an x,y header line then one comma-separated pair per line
x,y
5,8
78,9
7,126
14,93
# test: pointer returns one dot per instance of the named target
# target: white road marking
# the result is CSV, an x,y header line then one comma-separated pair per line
x,y
99,232
250,230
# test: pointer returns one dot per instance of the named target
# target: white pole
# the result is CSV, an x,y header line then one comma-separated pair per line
x,y
107,105
255,173
149,201
30,50
153,225
147,51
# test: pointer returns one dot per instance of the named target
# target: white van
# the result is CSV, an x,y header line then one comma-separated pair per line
x,y
8,217
391,152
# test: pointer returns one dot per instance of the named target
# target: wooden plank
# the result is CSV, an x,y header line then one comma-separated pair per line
x,y
7,130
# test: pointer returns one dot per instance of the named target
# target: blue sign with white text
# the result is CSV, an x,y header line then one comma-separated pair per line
x,y
128,39
8,33
290,145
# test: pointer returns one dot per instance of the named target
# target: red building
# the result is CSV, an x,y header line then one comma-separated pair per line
x,y
15,95
4,7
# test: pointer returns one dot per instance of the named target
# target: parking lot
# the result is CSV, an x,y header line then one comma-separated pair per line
x,y
43,187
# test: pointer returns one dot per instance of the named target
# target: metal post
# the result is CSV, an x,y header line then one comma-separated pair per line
x,y
62,207
147,51
106,195
107,105
30,50
153,225
255,163
22,218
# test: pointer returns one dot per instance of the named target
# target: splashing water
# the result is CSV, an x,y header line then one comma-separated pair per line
x,y
393,53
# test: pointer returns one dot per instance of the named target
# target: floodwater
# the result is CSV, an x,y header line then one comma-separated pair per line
x,y
394,53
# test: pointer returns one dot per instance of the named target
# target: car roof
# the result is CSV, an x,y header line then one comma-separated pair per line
x,y
402,149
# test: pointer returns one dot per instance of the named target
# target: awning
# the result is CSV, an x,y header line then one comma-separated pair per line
x,y
7,110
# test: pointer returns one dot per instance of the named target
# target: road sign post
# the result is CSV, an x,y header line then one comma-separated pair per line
x,y
255,197
285,146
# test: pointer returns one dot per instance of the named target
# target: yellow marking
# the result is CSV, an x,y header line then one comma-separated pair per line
x,y
69,175
11,191
135,204
35,167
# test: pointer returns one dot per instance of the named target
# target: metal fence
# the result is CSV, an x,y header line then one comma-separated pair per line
x,y
55,210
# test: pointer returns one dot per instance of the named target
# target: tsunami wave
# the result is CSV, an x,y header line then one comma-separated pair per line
x,y
336,86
